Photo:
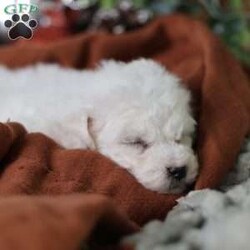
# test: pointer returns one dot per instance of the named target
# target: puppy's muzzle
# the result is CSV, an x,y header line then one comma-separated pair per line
x,y
177,173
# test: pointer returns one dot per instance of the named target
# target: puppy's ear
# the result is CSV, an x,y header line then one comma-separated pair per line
x,y
88,133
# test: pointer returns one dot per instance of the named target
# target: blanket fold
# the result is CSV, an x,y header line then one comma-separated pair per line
x,y
37,165
62,222
34,164
9,135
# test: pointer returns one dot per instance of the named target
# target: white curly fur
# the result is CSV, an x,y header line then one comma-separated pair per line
x,y
136,113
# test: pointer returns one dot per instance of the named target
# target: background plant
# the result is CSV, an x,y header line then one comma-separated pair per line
x,y
230,19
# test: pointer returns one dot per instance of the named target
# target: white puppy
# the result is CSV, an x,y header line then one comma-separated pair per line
x,y
138,114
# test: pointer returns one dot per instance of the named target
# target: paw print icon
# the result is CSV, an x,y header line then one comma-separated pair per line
x,y
20,26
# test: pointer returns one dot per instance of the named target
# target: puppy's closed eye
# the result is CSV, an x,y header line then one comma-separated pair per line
x,y
137,142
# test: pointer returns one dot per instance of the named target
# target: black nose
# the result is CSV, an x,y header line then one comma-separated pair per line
x,y
178,173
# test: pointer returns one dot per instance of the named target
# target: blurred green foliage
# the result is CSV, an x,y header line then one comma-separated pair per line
x,y
232,23
230,20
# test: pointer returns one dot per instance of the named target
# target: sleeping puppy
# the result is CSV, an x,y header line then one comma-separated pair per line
x,y
136,113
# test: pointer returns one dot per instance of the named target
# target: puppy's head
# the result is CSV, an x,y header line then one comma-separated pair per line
x,y
143,122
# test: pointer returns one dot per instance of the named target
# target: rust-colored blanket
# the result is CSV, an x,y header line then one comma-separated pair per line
x,y
34,164
61,223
